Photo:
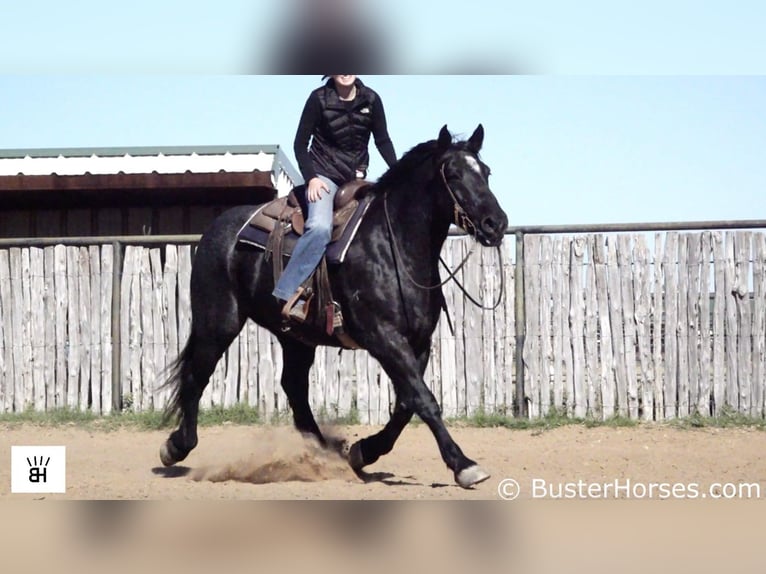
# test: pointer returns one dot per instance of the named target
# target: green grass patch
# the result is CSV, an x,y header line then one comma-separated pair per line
x,y
147,420
727,419
246,415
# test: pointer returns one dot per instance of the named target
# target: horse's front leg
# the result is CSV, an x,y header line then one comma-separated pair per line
x,y
368,450
406,372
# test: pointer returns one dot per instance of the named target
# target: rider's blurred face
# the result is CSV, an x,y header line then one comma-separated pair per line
x,y
344,80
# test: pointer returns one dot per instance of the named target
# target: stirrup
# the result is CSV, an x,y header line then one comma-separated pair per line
x,y
294,308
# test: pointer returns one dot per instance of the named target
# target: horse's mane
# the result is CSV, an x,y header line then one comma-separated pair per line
x,y
404,172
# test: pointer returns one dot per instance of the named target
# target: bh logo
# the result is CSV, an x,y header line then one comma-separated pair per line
x,y
38,469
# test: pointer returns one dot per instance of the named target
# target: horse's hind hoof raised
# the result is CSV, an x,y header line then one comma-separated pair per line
x,y
169,454
471,476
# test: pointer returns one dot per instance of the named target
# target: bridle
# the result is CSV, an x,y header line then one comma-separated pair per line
x,y
462,220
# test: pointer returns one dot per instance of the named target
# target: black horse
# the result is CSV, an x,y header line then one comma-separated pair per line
x,y
379,287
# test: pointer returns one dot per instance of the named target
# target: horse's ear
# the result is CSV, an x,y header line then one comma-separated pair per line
x,y
476,140
445,138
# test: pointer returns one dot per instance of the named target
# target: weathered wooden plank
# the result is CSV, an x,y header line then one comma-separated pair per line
x,y
280,397
670,274
107,270
719,324
26,320
317,384
531,351
659,310
184,301
593,372
474,367
683,329
62,297
705,348
731,324
94,310
135,335
567,358
332,400
6,335
128,275
557,327
759,323
744,319
73,328
488,291
616,322
253,353
21,366
170,348
49,338
607,378
509,340
37,326
83,286
266,375
386,397
695,325
346,382
643,314
244,356
577,326
147,334
625,262
231,380
362,387
17,329
158,338
546,340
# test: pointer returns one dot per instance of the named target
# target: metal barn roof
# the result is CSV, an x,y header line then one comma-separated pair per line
x,y
83,175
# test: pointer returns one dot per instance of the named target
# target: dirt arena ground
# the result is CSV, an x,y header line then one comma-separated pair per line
x,y
274,463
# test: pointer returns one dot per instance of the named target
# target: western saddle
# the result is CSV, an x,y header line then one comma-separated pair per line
x,y
283,219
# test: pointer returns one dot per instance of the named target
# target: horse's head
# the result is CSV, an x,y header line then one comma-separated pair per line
x,y
465,179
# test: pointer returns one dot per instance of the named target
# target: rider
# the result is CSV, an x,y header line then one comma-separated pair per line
x,y
340,116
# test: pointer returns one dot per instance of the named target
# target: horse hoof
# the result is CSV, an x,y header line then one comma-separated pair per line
x,y
167,453
471,476
355,458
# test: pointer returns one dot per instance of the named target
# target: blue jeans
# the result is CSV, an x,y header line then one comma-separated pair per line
x,y
311,245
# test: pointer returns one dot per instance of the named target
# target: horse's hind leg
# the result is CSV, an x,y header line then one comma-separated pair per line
x,y
209,340
368,450
297,361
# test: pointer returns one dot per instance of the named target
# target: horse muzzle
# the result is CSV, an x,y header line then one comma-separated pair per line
x,y
491,229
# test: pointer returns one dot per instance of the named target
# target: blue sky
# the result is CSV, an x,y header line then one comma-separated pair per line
x,y
628,112
563,149
546,36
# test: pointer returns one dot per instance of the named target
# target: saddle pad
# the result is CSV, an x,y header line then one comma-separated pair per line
x,y
336,250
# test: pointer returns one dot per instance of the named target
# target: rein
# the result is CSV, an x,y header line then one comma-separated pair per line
x,y
462,220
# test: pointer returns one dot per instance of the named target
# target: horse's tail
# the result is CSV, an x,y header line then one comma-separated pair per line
x,y
175,380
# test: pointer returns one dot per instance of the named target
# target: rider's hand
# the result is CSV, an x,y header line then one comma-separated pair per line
x,y
315,188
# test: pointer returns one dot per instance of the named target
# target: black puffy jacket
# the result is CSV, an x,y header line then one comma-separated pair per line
x,y
341,133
